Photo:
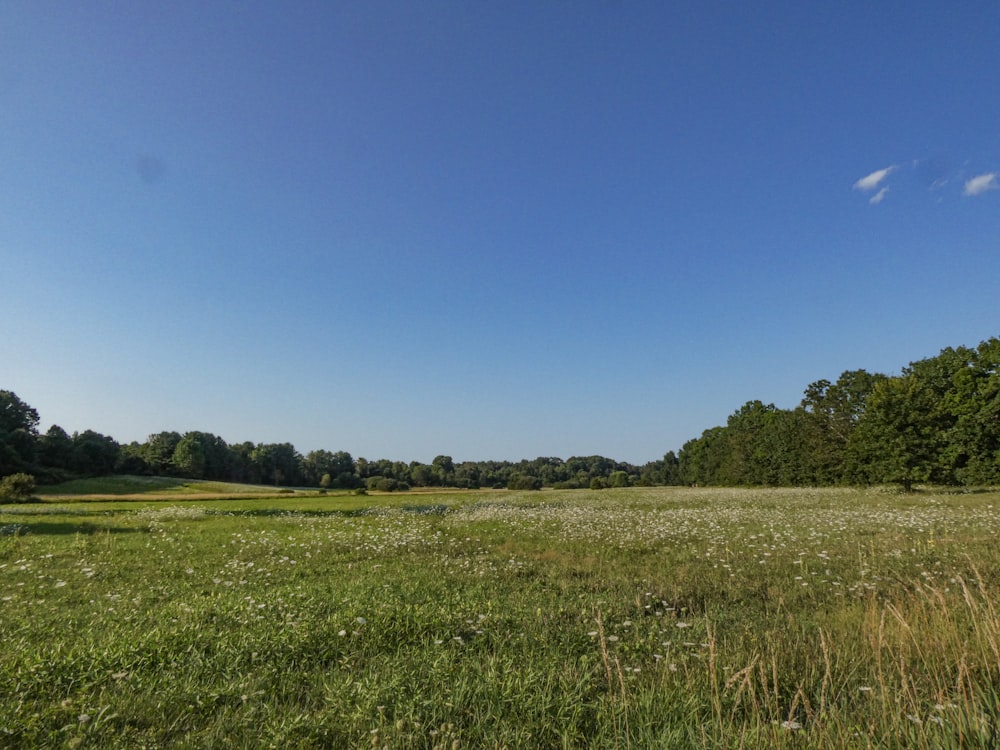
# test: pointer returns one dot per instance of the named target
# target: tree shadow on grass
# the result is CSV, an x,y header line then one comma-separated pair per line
x,y
378,510
23,528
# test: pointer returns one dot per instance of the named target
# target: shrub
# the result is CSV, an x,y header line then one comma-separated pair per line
x,y
618,479
17,488
524,482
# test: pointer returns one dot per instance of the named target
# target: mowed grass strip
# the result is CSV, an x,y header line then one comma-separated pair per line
x,y
128,487
665,617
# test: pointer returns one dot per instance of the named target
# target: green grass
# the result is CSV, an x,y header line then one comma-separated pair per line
x,y
151,487
619,618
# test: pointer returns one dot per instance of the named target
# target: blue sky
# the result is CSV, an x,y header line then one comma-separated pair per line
x,y
488,230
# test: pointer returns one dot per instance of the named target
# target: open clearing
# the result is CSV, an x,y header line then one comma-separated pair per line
x,y
663,617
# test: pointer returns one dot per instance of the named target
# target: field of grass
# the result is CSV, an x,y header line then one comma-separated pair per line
x,y
126,487
664,617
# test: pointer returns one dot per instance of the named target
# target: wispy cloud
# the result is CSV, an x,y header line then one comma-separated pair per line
x,y
981,184
877,198
872,181
933,173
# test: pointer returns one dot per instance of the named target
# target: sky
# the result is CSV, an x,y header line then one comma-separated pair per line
x,y
489,230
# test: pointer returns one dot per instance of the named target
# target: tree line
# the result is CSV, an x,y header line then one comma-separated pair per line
x,y
55,456
938,421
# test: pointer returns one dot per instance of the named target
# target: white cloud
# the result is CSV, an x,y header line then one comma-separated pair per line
x,y
872,181
877,198
981,184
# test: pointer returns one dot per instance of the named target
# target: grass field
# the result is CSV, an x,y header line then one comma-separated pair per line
x,y
126,487
665,617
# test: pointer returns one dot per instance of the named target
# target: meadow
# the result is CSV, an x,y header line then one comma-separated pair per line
x,y
628,618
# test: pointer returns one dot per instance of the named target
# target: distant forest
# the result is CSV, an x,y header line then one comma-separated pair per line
x,y
936,422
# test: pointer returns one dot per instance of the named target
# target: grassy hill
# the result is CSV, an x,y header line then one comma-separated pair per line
x,y
125,487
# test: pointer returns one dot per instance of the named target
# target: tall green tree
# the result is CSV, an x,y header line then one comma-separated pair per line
x,y
743,461
132,459
338,466
55,448
444,470
18,434
15,414
159,452
277,463
832,412
468,475
700,459
965,385
618,479
94,454
421,475
899,438
669,470
189,457
241,464
362,468
202,455
974,402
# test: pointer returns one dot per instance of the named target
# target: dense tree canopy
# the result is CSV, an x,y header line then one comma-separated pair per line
x,y
18,433
938,421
